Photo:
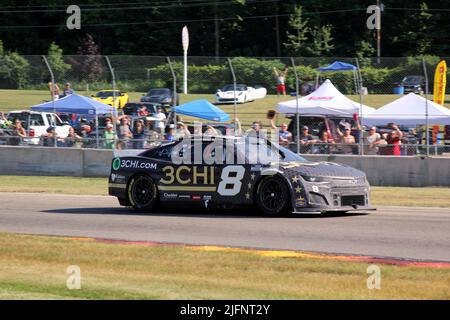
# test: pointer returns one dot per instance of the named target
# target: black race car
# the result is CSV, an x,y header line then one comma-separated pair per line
x,y
227,172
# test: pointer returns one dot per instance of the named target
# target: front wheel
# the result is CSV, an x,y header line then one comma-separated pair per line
x,y
273,197
143,193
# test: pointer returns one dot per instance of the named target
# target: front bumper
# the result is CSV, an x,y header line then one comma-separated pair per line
x,y
319,210
335,196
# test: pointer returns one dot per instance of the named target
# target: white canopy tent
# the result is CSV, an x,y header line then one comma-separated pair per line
x,y
409,110
325,100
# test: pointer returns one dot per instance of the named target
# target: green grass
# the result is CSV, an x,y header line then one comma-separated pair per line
x,y
247,113
388,196
34,267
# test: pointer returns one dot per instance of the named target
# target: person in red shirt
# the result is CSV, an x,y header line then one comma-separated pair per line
x,y
394,140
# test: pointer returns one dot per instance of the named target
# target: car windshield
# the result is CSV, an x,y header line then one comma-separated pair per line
x,y
266,151
413,79
106,94
230,87
158,92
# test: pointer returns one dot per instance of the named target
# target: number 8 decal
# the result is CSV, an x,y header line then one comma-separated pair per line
x,y
231,180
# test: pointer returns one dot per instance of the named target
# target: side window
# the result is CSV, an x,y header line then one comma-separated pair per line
x,y
49,119
36,120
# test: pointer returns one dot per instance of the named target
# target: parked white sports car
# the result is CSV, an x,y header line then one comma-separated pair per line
x,y
243,94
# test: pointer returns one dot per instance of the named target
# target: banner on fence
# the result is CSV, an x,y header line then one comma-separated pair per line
x,y
440,81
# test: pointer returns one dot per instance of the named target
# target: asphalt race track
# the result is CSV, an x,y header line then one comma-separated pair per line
x,y
397,232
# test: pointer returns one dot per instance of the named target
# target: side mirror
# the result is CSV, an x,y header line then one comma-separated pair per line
x,y
218,90
92,96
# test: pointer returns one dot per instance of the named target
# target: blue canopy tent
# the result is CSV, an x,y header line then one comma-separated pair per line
x,y
343,66
203,109
338,66
76,104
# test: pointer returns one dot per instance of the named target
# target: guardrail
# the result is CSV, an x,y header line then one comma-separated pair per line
x,y
406,171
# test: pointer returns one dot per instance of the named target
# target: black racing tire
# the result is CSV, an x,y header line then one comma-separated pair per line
x,y
143,193
273,197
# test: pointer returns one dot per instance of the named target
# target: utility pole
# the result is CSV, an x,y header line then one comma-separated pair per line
x,y
277,29
216,32
378,17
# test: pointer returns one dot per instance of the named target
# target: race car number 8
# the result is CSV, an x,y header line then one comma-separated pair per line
x,y
231,181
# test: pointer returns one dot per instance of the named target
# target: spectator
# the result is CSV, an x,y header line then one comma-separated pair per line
x,y
142,111
50,138
347,140
211,131
327,143
182,131
67,90
394,140
306,141
170,134
138,135
54,90
281,80
109,137
73,139
18,133
125,133
5,124
161,120
371,141
150,132
284,136
255,131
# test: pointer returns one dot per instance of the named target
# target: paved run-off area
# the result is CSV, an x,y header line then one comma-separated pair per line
x,y
396,232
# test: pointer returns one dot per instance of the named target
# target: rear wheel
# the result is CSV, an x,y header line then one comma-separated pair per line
x,y
273,198
143,193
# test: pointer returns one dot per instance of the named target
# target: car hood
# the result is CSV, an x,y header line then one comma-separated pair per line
x,y
321,169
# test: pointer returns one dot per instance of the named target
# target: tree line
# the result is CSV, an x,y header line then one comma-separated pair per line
x,y
228,28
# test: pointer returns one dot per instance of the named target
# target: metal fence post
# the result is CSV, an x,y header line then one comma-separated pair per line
x,y
113,78
52,88
426,107
297,115
174,77
234,87
360,114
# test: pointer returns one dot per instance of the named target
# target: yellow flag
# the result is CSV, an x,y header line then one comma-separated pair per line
x,y
440,81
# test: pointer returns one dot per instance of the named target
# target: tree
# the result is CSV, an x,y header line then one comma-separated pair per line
x,y
296,39
13,69
91,66
56,61
321,41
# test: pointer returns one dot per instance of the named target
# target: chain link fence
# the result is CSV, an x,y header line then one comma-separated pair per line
x,y
372,82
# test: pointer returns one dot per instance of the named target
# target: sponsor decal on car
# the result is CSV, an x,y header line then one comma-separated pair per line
x,y
132,164
170,195
116,178
196,198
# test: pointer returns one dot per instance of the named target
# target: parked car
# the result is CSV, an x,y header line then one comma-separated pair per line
x,y
243,94
37,123
163,96
107,97
414,84
132,108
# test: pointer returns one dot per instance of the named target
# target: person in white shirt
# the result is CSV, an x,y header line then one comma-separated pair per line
x,y
160,125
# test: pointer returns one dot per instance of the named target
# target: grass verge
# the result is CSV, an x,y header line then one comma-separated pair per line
x,y
387,196
34,267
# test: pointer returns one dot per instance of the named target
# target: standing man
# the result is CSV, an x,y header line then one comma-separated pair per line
x,y
160,124
281,80
67,90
